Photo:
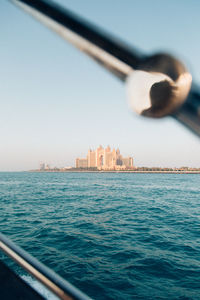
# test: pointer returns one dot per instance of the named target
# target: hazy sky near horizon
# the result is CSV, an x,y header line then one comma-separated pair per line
x,y
56,102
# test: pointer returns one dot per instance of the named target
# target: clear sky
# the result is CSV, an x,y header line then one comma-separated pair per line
x,y
55,102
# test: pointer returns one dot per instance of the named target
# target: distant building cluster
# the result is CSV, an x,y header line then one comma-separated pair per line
x,y
105,159
44,167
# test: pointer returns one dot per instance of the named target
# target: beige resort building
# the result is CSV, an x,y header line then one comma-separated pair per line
x,y
105,159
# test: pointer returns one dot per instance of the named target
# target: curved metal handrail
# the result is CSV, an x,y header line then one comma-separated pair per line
x,y
169,94
59,286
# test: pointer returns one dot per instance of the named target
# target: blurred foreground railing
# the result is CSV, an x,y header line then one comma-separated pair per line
x,y
158,84
60,287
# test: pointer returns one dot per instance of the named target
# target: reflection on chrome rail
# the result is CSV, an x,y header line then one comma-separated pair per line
x,y
60,287
158,85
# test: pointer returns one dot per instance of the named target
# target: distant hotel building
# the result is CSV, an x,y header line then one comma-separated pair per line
x,y
44,167
105,159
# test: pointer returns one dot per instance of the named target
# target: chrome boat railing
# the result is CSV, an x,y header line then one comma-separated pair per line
x,y
158,85
59,286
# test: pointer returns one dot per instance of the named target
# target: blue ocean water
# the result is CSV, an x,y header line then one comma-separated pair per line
x,y
115,236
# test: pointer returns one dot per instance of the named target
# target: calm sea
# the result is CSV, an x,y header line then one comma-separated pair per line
x,y
115,236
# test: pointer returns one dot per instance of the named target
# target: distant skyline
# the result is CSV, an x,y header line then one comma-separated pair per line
x,y
56,102
105,159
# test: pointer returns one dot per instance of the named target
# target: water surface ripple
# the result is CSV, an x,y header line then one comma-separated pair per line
x,y
115,236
